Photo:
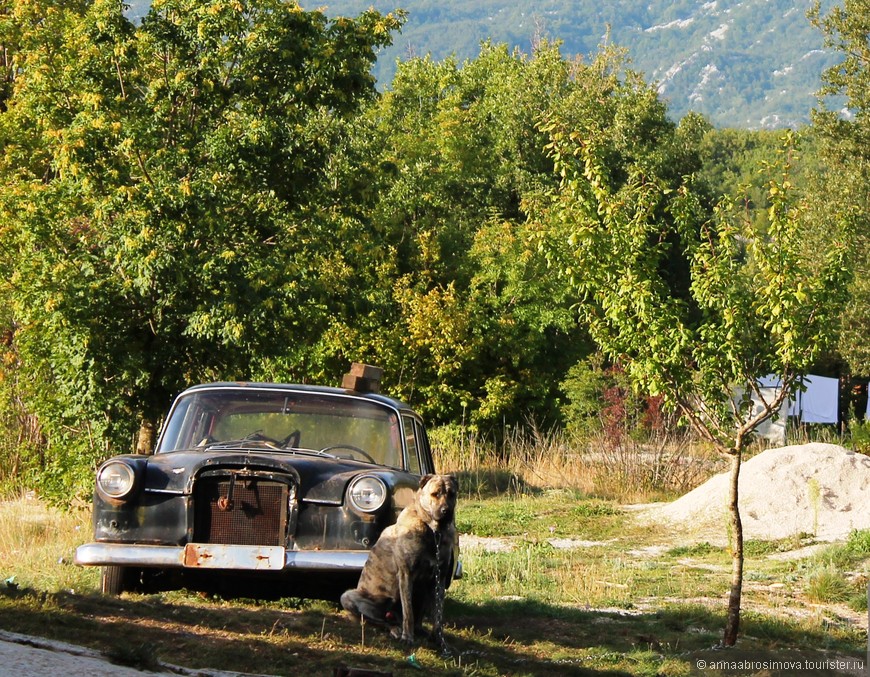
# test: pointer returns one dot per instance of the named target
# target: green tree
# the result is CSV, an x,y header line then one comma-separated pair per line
x,y
159,201
844,178
470,317
693,305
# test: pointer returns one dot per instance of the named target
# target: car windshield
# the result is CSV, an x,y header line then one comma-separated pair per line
x,y
284,421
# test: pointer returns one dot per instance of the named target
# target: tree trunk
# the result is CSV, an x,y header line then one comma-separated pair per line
x,y
145,439
732,623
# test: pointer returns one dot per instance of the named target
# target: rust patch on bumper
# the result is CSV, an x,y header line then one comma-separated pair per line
x,y
217,556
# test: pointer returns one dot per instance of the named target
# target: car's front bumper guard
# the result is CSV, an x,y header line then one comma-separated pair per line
x,y
216,556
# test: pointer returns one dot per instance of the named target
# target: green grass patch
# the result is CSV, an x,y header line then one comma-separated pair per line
x,y
550,514
758,548
858,543
827,584
697,550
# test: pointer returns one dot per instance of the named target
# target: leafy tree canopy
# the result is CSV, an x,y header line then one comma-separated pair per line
x,y
844,174
159,194
468,320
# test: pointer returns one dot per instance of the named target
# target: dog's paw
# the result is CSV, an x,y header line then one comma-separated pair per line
x,y
396,632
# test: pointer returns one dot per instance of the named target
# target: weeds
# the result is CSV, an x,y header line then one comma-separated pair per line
x,y
139,656
858,543
697,550
854,553
623,469
756,548
826,584
859,437
815,494
38,543
841,573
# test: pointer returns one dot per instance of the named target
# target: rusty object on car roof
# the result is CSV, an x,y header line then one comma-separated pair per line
x,y
363,378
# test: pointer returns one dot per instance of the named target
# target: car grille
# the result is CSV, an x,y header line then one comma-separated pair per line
x,y
240,511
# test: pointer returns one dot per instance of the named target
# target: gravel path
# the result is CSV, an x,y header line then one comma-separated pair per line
x,y
26,656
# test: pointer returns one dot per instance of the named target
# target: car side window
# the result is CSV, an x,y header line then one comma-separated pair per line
x,y
424,450
412,444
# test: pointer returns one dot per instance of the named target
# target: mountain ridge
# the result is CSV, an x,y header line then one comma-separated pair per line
x,y
750,64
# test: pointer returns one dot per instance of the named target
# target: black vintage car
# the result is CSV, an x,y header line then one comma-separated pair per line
x,y
257,481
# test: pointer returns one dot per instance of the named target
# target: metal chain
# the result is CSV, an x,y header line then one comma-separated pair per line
x,y
440,592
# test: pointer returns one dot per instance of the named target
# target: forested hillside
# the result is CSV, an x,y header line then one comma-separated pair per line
x,y
747,64
742,63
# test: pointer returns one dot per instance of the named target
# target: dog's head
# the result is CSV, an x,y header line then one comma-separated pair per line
x,y
437,497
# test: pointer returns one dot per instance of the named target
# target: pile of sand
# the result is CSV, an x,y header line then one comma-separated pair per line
x,y
818,489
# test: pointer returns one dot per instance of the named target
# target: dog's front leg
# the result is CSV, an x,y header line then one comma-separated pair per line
x,y
405,587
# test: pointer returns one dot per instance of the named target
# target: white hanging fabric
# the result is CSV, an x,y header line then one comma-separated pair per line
x,y
820,402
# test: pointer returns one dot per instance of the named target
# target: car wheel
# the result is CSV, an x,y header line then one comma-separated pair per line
x,y
114,580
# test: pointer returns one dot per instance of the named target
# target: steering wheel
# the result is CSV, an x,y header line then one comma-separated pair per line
x,y
350,447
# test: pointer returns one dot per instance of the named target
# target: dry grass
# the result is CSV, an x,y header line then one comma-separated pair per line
x,y
627,470
38,542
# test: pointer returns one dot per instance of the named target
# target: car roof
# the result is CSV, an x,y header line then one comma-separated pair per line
x,y
302,388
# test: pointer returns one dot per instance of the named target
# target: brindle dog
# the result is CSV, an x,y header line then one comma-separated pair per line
x,y
408,567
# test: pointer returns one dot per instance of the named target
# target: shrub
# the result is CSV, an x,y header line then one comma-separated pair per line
x,y
859,434
827,584
602,401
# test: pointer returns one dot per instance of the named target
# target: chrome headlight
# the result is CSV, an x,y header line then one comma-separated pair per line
x,y
116,479
367,494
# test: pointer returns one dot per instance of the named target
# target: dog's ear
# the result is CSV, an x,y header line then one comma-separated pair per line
x,y
424,480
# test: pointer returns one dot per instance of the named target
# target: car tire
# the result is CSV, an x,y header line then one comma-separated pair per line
x,y
114,580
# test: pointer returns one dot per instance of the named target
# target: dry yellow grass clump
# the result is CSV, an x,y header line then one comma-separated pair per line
x,y
38,542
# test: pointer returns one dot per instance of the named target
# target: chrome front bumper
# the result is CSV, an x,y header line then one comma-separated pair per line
x,y
215,556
